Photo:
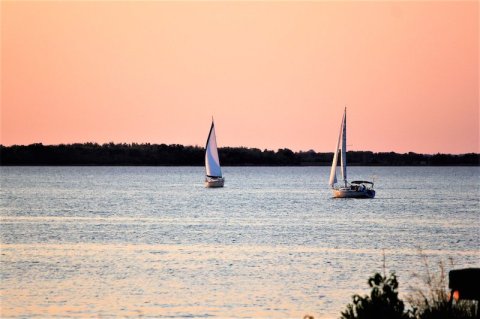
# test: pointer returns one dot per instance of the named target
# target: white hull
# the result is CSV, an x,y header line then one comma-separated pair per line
x,y
214,182
352,193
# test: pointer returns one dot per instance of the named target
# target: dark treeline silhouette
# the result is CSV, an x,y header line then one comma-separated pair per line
x,y
179,155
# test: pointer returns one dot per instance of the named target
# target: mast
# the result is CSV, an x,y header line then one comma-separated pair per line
x,y
343,160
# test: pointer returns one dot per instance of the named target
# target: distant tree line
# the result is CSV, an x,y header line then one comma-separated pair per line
x,y
179,155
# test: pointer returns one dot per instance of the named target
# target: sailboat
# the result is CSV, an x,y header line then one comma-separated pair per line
x,y
213,171
344,189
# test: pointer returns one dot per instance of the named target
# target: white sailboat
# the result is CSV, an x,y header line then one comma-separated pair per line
x,y
213,171
354,189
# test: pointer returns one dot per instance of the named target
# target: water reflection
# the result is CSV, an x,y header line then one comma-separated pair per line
x,y
127,242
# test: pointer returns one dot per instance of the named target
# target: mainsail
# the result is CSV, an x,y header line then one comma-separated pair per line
x,y
343,158
212,162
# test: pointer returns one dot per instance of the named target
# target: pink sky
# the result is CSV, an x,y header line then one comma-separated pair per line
x,y
273,74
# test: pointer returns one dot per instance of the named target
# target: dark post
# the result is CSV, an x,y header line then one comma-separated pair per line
x,y
465,284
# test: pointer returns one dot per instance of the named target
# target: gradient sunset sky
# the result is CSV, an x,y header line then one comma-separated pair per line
x,y
273,74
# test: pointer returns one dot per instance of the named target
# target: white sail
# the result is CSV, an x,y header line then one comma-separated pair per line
x,y
333,170
212,162
333,175
343,160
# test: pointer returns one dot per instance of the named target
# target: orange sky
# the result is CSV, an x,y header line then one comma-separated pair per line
x,y
273,74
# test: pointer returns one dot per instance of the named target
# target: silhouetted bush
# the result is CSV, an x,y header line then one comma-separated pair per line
x,y
383,302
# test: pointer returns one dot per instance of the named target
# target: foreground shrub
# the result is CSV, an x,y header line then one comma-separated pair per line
x,y
383,302
433,300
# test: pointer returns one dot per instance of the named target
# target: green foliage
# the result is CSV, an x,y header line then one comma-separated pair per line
x,y
383,302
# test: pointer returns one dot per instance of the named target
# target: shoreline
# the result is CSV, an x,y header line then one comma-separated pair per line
x,y
93,154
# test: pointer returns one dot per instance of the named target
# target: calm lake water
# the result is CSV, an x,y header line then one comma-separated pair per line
x,y
153,242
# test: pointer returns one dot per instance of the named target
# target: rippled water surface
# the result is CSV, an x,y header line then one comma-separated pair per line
x,y
153,242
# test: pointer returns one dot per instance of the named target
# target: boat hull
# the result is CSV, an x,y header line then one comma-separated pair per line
x,y
351,193
214,182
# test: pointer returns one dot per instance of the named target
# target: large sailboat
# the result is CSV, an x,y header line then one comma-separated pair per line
x,y
344,189
213,171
